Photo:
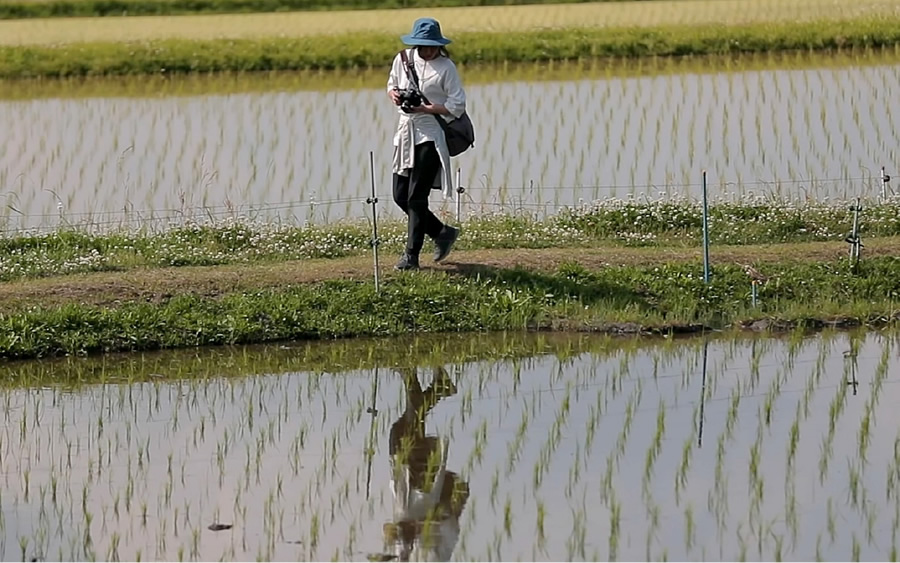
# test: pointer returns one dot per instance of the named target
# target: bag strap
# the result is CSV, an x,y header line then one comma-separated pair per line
x,y
410,67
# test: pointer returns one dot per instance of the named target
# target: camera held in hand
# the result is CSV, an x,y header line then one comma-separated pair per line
x,y
409,98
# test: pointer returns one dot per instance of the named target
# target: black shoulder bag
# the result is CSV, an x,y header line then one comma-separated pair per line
x,y
460,133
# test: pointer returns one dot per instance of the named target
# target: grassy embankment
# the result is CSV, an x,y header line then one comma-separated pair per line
x,y
223,83
238,284
346,355
316,356
323,40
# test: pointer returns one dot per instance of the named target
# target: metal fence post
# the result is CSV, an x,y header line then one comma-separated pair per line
x,y
703,390
884,184
705,232
373,200
459,192
854,240
370,446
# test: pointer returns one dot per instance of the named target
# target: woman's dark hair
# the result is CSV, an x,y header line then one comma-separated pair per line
x,y
442,52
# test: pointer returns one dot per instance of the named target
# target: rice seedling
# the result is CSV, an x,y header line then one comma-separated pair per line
x,y
656,446
689,527
507,518
681,477
614,524
864,431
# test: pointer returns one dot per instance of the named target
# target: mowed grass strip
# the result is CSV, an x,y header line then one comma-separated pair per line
x,y
471,297
158,284
608,224
455,21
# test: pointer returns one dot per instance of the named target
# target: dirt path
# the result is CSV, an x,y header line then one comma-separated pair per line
x,y
109,288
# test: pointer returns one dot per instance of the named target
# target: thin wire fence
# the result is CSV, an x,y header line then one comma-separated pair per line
x,y
467,202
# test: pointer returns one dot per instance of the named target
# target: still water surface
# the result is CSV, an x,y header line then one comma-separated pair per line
x,y
543,447
301,153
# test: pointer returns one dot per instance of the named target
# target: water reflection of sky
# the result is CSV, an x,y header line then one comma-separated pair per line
x,y
281,456
540,144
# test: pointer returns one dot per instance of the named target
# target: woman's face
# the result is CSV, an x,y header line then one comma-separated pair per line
x,y
428,52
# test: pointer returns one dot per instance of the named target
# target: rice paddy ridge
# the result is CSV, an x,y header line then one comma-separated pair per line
x,y
364,39
456,21
160,85
635,291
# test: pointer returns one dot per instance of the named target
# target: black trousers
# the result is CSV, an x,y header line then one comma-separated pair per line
x,y
411,195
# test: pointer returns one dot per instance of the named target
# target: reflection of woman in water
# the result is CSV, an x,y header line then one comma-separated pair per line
x,y
428,499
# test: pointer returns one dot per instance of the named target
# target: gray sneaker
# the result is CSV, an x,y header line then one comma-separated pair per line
x,y
444,242
407,262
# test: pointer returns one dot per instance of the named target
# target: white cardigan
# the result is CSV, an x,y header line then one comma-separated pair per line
x,y
440,82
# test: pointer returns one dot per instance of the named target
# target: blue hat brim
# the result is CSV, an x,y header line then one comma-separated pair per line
x,y
408,39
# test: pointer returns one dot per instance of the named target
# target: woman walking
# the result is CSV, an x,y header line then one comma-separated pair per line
x,y
421,157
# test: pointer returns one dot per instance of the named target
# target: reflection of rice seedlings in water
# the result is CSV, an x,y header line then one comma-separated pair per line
x,y
689,532
893,476
755,476
771,395
622,439
853,481
591,425
655,447
615,516
863,436
836,408
881,372
681,476
576,541
794,438
871,516
720,484
539,524
732,411
756,353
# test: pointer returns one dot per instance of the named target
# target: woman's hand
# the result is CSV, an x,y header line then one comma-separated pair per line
x,y
436,109
423,108
395,96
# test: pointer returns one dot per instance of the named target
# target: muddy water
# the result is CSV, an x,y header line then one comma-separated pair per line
x,y
541,447
299,151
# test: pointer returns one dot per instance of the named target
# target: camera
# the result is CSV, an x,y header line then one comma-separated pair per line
x,y
409,98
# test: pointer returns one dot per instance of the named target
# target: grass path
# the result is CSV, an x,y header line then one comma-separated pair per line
x,y
55,31
155,285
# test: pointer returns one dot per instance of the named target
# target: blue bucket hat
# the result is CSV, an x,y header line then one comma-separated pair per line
x,y
427,32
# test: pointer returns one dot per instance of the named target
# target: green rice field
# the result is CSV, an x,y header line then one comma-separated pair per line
x,y
148,153
523,447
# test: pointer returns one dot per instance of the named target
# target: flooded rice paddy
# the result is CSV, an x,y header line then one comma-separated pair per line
x,y
544,447
298,153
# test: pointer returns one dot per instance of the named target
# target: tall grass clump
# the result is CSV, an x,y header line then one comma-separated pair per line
x,y
745,219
